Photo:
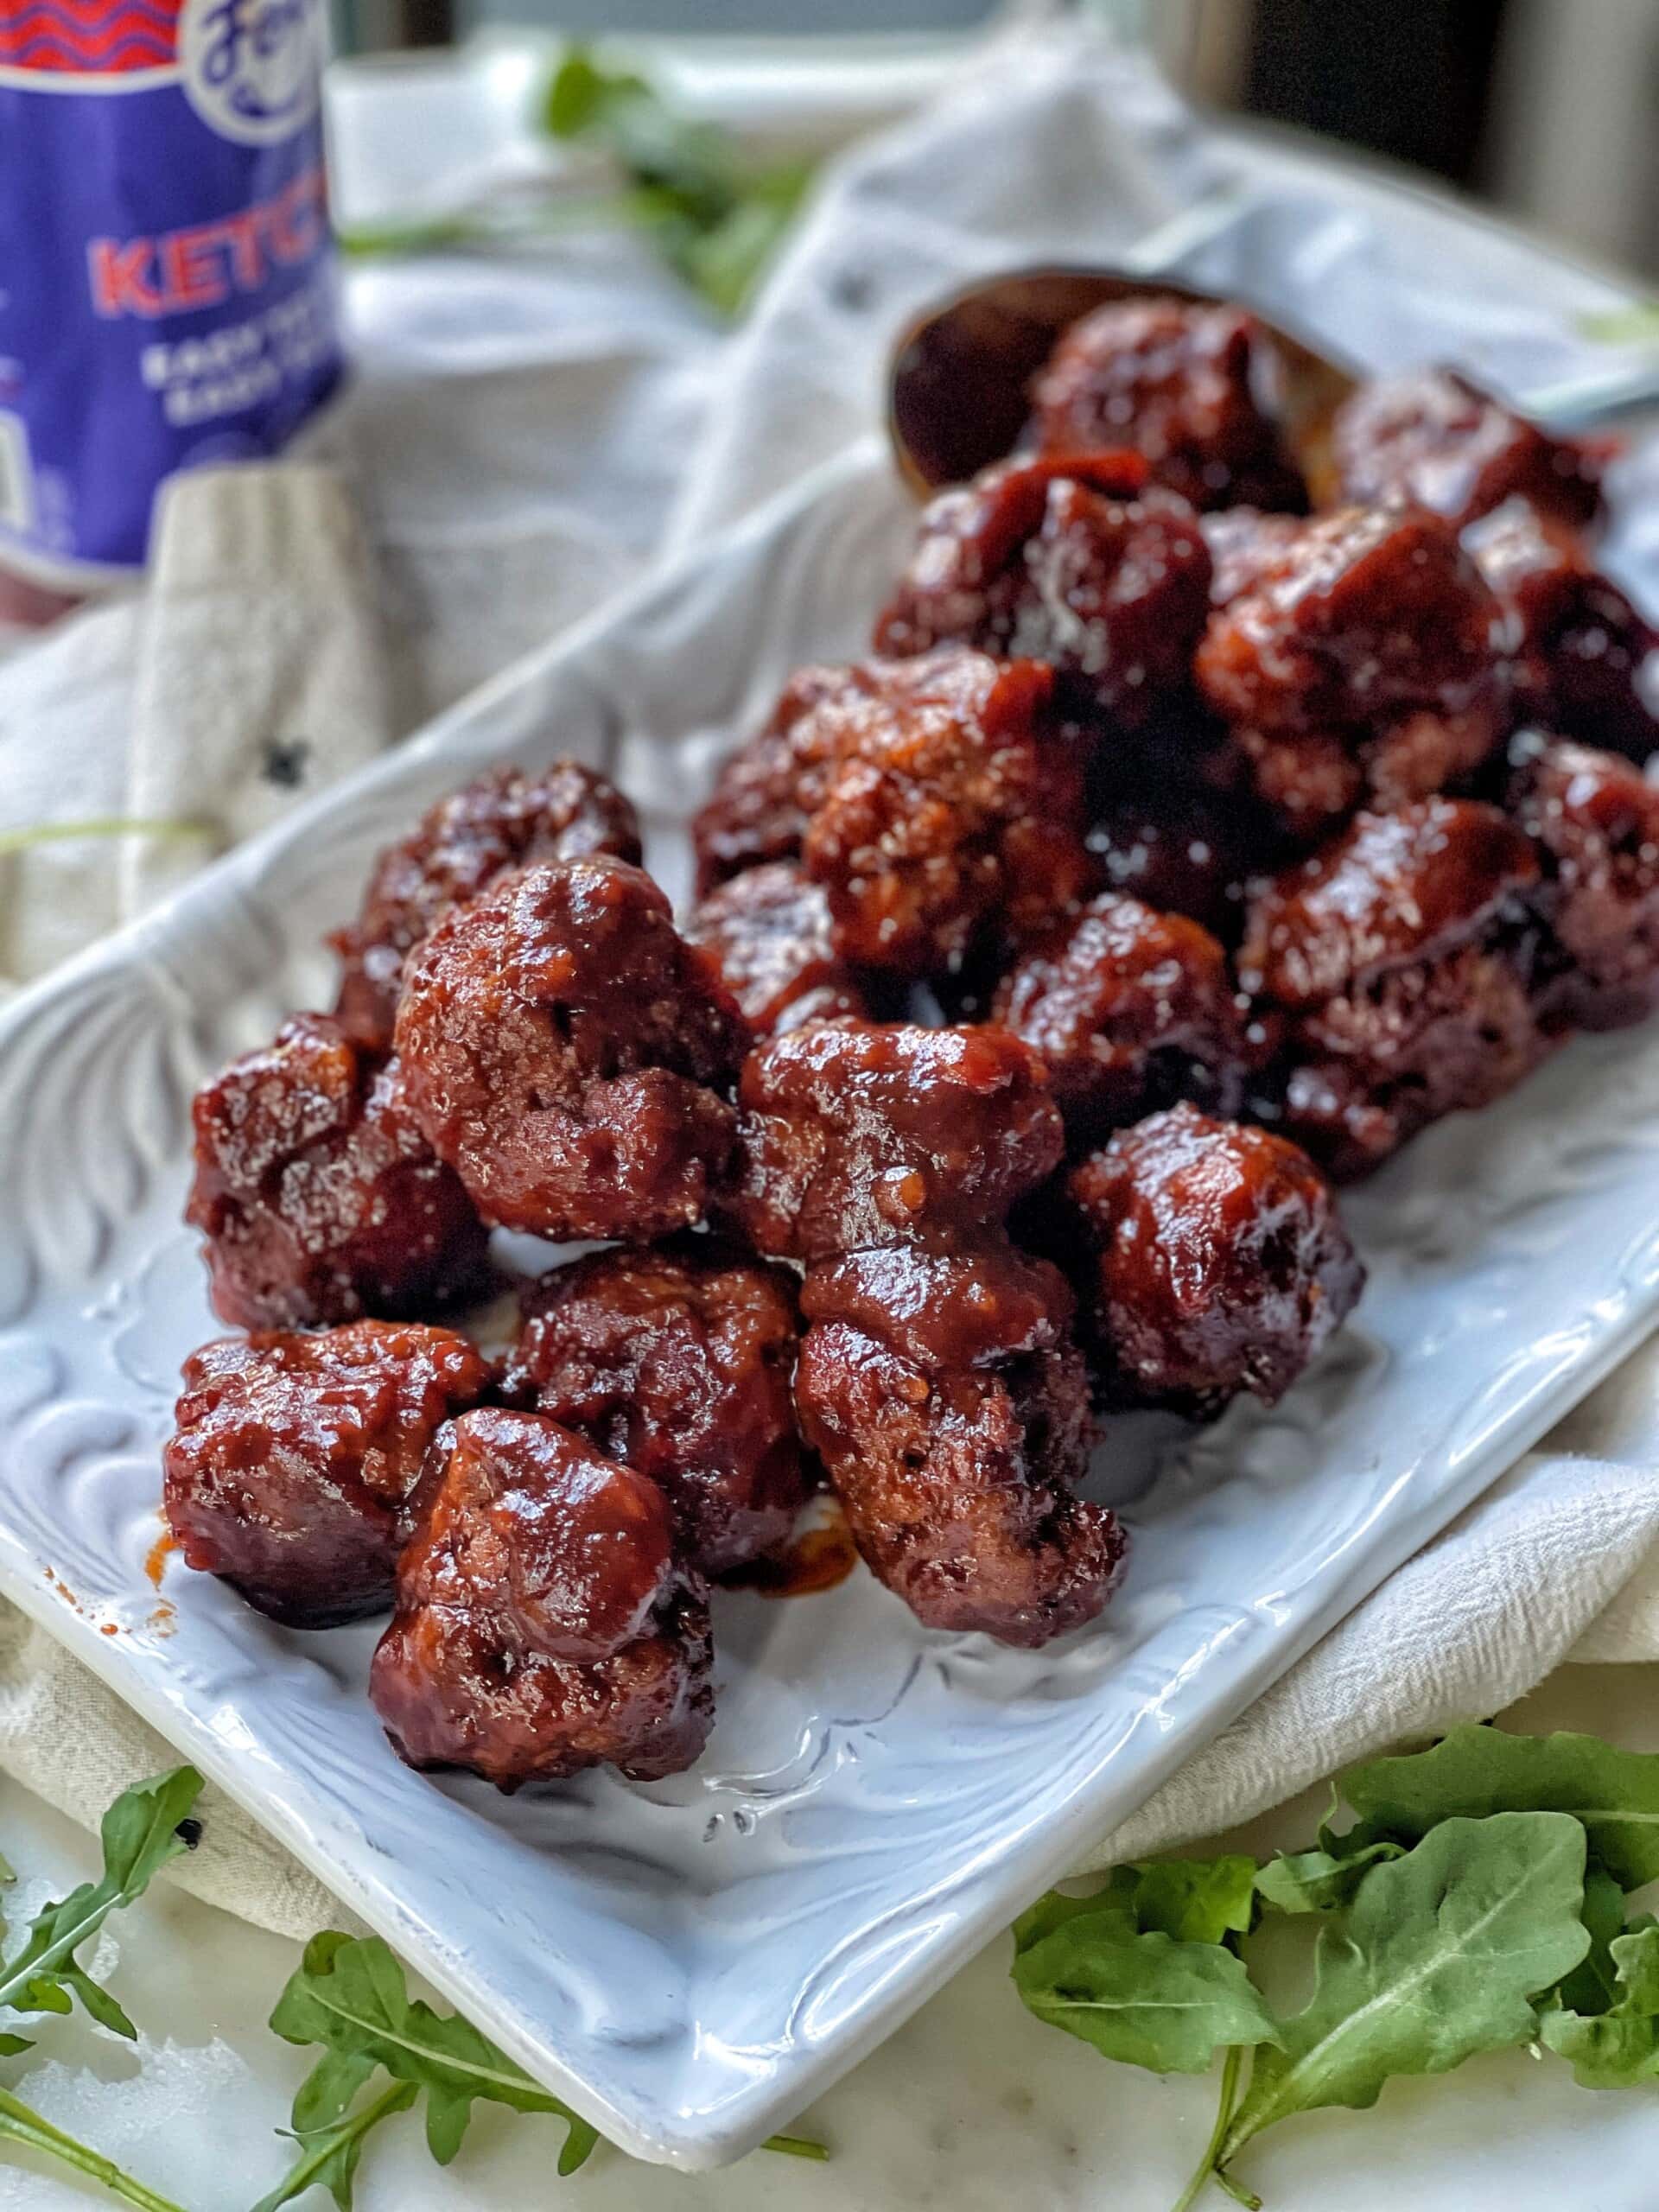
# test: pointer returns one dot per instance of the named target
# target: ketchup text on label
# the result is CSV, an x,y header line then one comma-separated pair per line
x,y
205,263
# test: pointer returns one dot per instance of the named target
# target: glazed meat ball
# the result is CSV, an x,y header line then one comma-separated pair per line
x,y
1586,665
1434,440
943,1390
461,847
1217,1262
296,1456
766,791
318,1195
770,934
1364,665
1594,821
676,1360
859,1133
1077,561
1399,959
544,1624
568,1054
1197,390
1129,1010
952,810
930,798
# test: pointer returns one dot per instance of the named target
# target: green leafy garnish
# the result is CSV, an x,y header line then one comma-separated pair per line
x,y
1476,1771
1197,1900
139,1835
1592,1986
1439,1957
1477,1904
1141,1969
1617,2046
714,217
1146,1999
348,1994
1322,1880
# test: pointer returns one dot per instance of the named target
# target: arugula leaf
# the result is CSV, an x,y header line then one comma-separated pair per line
x,y
140,1834
330,2149
1592,1986
1053,1910
1477,1770
1325,1879
348,1994
1439,1957
1618,2046
1148,1999
1196,1900
20,2124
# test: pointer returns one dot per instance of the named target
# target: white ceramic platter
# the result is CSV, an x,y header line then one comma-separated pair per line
x,y
689,1962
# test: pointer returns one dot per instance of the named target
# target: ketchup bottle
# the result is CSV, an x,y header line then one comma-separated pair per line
x,y
167,281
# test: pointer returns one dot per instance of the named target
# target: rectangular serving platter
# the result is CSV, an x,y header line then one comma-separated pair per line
x,y
689,1962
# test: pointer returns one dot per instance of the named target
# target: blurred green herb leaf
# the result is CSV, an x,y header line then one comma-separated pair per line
x,y
714,217
1632,326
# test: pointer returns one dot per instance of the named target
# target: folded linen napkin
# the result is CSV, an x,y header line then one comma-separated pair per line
x,y
252,665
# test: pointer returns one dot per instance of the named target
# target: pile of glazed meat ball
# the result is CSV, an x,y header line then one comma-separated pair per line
x,y
1180,853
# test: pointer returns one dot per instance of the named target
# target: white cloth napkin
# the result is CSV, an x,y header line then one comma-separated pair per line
x,y
525,436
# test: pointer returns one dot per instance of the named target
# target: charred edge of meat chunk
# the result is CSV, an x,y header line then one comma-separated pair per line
x,y
317,1193
1433,439
677,1359
769,932
296,1456
458,849
1075,561
1197,390
942,1389
1593,822
1365,665
543,1623
570,1055
854,1132
1129,1010
1399,963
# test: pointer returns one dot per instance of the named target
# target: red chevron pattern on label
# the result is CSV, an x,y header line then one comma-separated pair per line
x,y
89,38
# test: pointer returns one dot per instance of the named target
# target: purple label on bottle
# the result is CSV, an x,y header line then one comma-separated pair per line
x,y
167,292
